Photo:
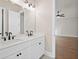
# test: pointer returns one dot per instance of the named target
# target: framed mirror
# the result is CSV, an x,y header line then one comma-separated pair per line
x,y
16,19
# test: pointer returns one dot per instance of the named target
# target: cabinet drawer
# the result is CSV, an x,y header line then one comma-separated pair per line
x,y
12,49
12,56
39,41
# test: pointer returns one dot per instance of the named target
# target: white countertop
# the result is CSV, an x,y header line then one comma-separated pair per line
x,y
19,39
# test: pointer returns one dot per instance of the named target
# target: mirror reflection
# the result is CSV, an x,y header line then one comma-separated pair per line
x,y
14,19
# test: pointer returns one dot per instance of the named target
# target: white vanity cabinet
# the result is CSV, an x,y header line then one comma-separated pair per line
x,y
12,56
37,49
30,49
22,54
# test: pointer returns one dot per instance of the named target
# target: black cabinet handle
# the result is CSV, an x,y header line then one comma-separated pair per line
x,y
20,53
17,54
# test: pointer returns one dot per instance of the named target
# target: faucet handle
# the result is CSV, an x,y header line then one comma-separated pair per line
x,y
6,33
4,38
0,33
13,37
10,33
27,31
31,33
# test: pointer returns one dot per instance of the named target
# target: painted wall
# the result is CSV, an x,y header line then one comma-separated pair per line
x,y
45,16
44,22
67,26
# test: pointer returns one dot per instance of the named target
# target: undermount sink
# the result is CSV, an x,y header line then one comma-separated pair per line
x,y
7,43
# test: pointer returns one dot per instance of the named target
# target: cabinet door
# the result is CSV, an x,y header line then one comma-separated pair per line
x,y
24,53
33,52
36,51
13,56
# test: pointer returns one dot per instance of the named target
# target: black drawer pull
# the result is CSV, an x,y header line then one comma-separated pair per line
x,y
20,53
17,54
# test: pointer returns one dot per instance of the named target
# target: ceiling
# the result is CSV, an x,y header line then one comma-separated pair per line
x,y
10,5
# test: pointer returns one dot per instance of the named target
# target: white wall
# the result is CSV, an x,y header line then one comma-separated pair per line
x,y
67,26
44,23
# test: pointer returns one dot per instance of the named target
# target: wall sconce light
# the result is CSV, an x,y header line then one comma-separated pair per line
x,y
59,14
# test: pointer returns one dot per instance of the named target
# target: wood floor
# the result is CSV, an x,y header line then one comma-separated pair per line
x,y
66,47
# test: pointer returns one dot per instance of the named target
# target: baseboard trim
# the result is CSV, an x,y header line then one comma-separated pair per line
x,y
49,54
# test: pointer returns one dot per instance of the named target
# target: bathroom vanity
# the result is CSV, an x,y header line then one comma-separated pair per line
x,y
18,20
23,48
